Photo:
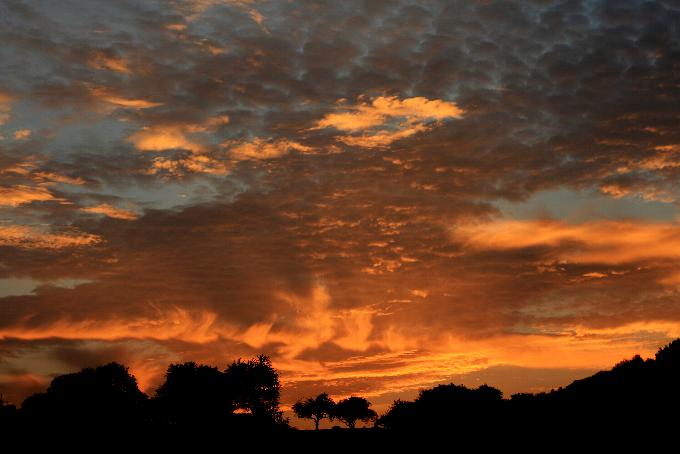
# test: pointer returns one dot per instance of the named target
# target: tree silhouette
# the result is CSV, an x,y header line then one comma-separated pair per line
x,y
635,395
354,409
316,409
400,415
7,413
193,394
106,395
256,388
445,405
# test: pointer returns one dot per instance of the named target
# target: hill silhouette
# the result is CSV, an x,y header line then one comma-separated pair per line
x,y
636,396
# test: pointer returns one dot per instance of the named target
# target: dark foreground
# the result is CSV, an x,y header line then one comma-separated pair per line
x,y
635,404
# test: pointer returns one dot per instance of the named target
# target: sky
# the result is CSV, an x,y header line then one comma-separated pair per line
x,y
381,195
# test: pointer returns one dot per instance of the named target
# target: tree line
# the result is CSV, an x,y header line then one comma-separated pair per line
x,y
245,396
348,411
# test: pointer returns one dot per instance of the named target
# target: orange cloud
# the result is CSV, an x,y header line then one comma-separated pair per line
x,y
258,18
436,361
419,293
316,323
99,60
649,193
176,323
111,211
21,194
106,96
663,157
609,242
26,237
168,137
378,116
22,134
52,177
259,149
595,275
195,8
382,138
6,101
161,138
405,362
381,109
176,27
615,190
209,125
196,163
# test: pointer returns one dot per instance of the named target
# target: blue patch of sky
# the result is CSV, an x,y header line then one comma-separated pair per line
x,y
26,286
581,206
164,195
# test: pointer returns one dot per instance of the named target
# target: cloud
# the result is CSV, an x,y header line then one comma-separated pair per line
x,y
382,138
259,149
195,8
111,211
21,194
109,61
22,134
194,163
174,324
176,136
608,242
31,183
49,178
420,258
163,138
379,110
27,237
6,101
231,152
107,96
388,119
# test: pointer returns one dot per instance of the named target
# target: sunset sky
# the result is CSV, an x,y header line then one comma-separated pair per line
x,y
380,195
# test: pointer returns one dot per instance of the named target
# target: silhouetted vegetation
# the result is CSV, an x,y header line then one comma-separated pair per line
x,y
256,388
104,396
634,395
193,394
316,409
7,413
354,409
246,395
444,405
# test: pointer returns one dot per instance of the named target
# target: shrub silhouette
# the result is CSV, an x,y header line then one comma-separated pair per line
x,y
354,409
316,409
